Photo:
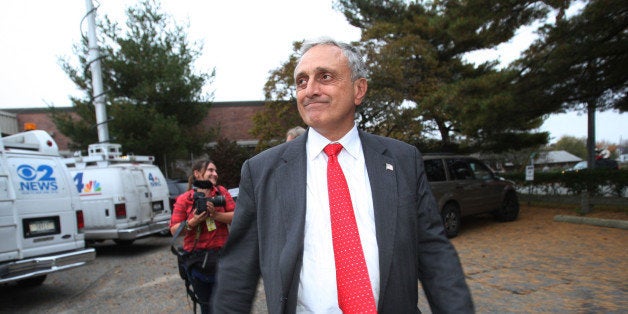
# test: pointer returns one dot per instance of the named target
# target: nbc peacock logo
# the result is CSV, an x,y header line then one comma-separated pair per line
x,y
92,187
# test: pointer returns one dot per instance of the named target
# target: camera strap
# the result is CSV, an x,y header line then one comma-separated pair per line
x,y
182,226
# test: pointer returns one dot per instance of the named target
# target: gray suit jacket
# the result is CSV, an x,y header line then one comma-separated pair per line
x,y
266,236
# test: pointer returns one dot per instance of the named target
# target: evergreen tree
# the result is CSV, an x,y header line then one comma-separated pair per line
x,y
155,101
421,83
579,64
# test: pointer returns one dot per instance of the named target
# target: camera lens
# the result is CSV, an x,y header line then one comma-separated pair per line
x,y
218,200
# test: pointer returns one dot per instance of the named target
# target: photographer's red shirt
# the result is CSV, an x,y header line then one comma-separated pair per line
x,y
183,209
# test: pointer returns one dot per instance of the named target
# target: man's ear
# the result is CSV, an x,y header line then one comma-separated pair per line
x,y
359,90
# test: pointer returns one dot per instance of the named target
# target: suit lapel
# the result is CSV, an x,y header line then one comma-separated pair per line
x,y
381,170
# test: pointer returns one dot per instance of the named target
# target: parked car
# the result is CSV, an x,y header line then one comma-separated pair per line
x,y
465,186
234,193
603,163
176,188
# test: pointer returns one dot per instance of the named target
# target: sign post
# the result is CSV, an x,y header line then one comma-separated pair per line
x,y
530,173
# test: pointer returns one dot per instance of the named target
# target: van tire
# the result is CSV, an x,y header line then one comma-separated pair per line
x,y
123,242
32,281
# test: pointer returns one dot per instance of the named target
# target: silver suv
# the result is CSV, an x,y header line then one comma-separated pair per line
x,y
465,186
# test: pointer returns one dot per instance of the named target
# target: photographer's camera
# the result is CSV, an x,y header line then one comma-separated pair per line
x,y
200,201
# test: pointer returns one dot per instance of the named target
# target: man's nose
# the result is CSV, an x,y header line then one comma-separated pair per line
x,y
312,89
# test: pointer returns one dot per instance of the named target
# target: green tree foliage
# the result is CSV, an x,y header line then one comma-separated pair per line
x,y
155,100
579,64
573,145
228,157
280,109
420,82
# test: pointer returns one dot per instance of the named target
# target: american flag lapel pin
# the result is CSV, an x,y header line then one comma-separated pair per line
x,y
389,167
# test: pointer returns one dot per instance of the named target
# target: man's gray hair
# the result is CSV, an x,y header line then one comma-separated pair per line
x,y
356,63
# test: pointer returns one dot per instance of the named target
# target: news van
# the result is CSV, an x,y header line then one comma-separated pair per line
x,y
124,197
41,219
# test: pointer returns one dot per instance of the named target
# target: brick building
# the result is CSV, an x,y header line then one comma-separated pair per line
x,y
233,118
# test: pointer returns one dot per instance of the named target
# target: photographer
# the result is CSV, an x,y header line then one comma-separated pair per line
x,y
206,209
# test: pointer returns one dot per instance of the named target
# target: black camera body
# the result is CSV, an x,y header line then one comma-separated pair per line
x,y
200,201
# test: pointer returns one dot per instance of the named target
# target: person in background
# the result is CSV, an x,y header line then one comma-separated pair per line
x,y
206,232
287,227
294,133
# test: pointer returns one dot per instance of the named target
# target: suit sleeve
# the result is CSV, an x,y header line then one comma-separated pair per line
x,y
238,269
440,271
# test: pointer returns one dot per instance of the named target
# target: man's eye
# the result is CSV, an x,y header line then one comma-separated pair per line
x,y
301,82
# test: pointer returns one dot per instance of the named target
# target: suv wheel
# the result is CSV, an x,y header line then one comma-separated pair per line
x,y
451,219
509,211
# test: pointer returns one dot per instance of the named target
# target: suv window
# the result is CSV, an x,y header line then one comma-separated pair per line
x,y
459,169
434,170
480,170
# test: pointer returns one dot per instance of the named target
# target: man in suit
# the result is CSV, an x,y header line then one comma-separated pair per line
x,y
282,230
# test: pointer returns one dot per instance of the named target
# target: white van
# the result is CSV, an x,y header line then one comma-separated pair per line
x,y
40,212
124,197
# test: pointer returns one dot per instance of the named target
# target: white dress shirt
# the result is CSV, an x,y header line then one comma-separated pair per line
x,y
317,286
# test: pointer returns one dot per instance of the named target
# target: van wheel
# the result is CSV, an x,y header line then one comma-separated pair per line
x,y
509,211
31,282
123,242
451,219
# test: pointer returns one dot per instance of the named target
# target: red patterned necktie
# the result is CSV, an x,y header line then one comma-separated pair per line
x,y
352,278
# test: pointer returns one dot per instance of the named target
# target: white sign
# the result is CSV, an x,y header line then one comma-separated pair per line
x,y
529,173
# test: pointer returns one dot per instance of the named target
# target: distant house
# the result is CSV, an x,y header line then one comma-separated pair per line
x,y
555,159
8,123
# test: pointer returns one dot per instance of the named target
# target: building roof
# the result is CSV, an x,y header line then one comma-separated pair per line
x,y
556,157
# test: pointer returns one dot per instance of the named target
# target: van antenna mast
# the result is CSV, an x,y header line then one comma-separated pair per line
x,y
97,85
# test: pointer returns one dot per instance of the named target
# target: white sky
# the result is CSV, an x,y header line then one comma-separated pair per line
x,y
243,39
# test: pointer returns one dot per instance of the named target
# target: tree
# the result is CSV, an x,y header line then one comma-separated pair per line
x,y
280,111
573,145
154,97
419,80
229,157
579,64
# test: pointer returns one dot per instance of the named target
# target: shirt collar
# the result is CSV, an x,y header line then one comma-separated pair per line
x,y
316,143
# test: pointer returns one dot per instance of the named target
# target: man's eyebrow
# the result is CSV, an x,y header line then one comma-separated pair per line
x,y
318,70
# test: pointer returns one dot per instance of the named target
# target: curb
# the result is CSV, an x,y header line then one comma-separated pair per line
x,y
609,223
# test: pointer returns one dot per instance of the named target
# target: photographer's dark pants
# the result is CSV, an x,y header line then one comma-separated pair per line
x,y
203,286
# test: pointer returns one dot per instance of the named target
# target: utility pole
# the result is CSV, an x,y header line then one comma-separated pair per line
x,y
97,85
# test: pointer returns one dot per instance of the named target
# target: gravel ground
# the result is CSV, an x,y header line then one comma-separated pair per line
x,y
531,265
537,265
